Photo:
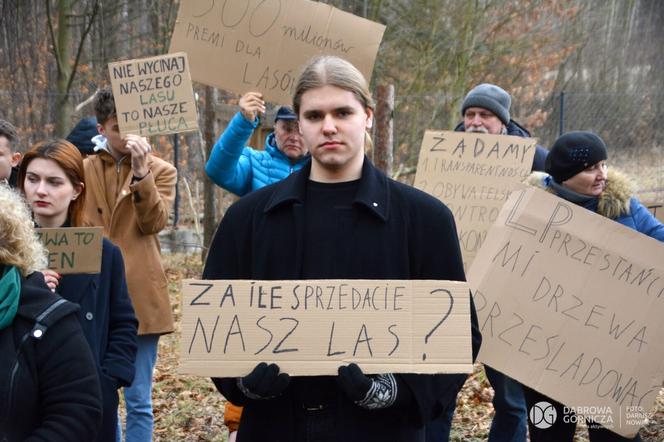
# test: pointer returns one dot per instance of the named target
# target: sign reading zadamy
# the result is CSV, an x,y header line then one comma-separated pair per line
x,y
312,327
72,249
570,303
154,96
253,45
473,175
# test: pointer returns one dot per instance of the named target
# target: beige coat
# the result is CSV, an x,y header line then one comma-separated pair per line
x,y
132,215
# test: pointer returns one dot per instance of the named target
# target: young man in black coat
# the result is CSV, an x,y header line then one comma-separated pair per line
x,y
337,218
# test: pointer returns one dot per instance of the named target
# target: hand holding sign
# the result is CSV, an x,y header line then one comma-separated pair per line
x,y
251,104
264,382
139,149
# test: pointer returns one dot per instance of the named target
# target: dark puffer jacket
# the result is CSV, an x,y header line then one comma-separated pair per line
x,y
49,389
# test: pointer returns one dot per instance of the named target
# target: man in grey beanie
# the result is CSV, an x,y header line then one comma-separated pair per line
x,y
486,109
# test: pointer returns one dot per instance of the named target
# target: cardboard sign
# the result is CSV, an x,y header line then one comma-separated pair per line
x,y
252,45
154,96
570,303
72,249
312,327
473,174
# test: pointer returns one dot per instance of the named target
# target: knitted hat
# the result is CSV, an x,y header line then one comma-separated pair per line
x,y
572,152
490,97
285,113
81,135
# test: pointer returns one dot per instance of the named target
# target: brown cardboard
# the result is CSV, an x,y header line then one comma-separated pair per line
x,y
312,327
473,175
570,303
252,45
154,95
72,249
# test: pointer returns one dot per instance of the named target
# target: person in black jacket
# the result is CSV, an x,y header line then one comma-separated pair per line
x,y
337,218
9,156
49,389
52,179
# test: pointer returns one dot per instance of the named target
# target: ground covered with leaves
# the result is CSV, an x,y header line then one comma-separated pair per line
x,y
188,408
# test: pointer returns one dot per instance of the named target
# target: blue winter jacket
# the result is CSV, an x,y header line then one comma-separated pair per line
x,y
615,202
241,169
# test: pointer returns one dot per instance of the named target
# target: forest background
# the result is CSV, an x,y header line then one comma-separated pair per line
x,y
568,64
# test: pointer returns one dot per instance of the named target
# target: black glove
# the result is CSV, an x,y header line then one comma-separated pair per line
x,y
377,391
264,382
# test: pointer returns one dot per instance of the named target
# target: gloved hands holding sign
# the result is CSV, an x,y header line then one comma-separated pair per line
x,y
264,382
371,392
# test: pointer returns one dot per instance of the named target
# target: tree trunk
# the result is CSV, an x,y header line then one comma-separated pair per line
x,y
209,221
384,149
61,51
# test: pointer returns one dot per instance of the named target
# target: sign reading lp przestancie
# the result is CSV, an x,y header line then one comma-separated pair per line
x,y
260,45
312,327
570,303
473,174
154,96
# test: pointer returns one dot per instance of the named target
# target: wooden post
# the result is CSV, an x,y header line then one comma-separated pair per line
x,y
209,135
384,149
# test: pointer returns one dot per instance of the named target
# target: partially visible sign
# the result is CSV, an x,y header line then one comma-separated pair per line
x,y
261,45
312,327
72,249
154,96
473,174
570,303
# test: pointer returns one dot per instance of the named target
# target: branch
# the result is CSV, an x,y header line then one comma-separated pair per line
x,y
56,51
95,10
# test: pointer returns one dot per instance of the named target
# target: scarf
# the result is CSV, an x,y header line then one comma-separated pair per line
x,y
10,289
588,201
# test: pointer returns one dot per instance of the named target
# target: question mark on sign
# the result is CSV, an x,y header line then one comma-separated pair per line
x,y
433,330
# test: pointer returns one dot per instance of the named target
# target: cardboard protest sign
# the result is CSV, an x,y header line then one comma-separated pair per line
x,y
154,96
473,175
72,249
570,303
252,45
312,327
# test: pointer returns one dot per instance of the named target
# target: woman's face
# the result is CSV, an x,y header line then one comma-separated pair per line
x,y
590,181
49,192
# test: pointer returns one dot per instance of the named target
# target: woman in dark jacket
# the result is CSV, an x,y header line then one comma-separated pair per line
x,y
577,171
49,389
52,179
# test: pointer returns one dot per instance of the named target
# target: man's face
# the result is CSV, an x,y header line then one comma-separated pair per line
x,y
333,124
289,140
8,159
480,120
111,131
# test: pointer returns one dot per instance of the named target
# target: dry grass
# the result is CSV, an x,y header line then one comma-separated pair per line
x,y
188,408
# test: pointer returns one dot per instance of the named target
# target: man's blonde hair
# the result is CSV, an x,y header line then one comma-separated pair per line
x,y
19,245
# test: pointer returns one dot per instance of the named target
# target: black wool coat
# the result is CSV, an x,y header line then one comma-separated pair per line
x,y
109,325
49,389
394,232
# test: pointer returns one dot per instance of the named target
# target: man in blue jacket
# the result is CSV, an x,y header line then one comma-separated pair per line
x,y
486,109
240,169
